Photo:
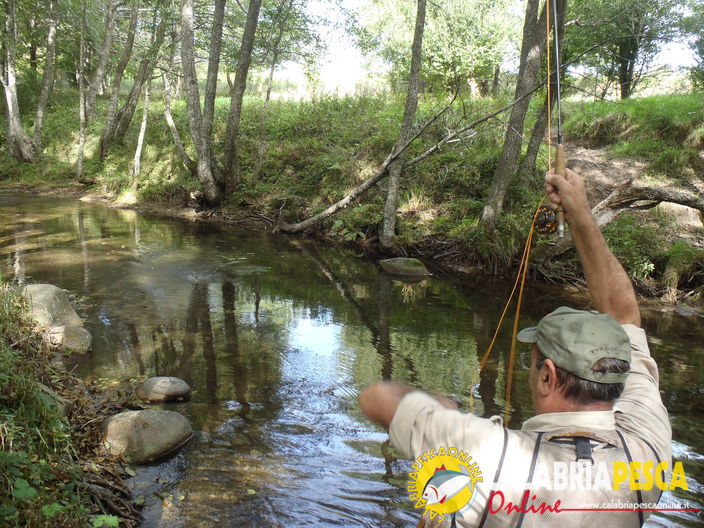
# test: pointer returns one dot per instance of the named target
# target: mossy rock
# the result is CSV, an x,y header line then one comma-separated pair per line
x,y
404,266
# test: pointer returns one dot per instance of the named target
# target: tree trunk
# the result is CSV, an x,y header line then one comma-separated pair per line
x,y
19,144
628,51
109,128
232,170
538,133
211,86
80,77
387,236
97,79
47,76
137,162
211,191
495,85
534,40
146,68
187,161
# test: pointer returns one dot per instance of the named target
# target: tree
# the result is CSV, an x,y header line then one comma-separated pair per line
x,y
624,37
47,76
532,47
200,121
388,231
19,144
108,131
232,170
97,79
285,32
463,40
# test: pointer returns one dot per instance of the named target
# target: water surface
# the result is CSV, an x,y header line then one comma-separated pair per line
x,y
277,335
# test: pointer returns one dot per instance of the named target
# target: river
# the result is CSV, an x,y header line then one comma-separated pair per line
x,y
277,336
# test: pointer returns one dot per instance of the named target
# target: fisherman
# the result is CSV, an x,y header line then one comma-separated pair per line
x,y
594,387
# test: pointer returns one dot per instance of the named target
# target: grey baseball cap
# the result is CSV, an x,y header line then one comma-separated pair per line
x,y
576,339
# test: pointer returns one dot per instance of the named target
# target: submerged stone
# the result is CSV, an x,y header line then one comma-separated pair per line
x,y
404,266
144,436
69,338
162,389
49,305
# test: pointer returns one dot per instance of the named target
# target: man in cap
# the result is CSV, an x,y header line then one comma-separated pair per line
x,y
594,387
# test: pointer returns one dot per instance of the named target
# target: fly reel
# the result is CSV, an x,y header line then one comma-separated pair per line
x,y
545,220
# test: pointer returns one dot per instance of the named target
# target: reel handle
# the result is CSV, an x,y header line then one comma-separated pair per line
x,y
561,169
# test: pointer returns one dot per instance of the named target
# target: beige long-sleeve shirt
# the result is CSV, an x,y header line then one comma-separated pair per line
x,y
638,418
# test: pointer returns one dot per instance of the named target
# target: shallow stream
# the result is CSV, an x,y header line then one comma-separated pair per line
x,y
277,335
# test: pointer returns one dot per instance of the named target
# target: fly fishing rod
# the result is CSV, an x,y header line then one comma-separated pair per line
x,y
560,160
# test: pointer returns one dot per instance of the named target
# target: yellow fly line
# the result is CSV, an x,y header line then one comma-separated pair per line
x,y
520,281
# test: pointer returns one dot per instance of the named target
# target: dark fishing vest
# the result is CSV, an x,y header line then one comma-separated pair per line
x,y
529,459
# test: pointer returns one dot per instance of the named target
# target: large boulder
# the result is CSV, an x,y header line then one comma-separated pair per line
x,y
162,389
49,306
144,436
404,266
69,338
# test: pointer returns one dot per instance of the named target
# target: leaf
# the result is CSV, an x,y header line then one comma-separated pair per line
x,y
139,501
251,491
22,490
131,472
101,521
52,509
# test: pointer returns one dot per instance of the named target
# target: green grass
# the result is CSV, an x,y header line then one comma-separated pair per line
x,y
667,131
39,476
310,153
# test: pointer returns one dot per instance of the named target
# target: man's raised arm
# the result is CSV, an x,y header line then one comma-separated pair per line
x,y
609,286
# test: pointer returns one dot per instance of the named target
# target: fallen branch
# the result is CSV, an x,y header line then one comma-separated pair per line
x,y
626,197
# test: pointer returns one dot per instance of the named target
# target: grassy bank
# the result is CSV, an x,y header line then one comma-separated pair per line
x,y
42,476
306,155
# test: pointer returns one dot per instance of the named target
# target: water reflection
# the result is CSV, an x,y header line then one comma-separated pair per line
x,y
277,336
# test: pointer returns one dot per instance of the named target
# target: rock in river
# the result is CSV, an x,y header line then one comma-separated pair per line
x,y
50,306
70,338
143,436
162,389
405,266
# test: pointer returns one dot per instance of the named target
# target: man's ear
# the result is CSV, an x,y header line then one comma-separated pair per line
x,y
547,378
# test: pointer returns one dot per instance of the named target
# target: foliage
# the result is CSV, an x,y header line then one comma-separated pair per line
x,y
618,39
39,480
462,40
635,244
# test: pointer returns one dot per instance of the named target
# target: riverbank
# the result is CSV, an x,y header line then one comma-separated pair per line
x,y
307,154
54,471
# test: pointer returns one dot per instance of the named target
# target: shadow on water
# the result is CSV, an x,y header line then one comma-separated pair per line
x,y
277,336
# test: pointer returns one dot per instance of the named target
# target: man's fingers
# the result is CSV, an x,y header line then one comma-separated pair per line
x,y
555,179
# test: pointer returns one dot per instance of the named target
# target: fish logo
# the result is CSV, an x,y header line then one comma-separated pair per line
x,y
444,482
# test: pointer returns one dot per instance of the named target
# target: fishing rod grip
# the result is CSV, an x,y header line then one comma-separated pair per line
x,y
561,169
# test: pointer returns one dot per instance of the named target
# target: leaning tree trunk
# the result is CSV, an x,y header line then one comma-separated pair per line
x,y
387,238
99,73
80,77
211,87
19,144
211,191
187,161
117,81
146,68
538,132
47,76
137,161
232,170
534,40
